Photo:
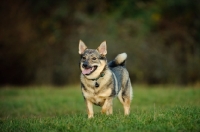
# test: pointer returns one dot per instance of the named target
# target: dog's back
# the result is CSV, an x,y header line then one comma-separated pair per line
x,y
121,76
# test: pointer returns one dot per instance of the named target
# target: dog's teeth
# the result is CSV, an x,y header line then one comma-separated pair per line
x,y
92,69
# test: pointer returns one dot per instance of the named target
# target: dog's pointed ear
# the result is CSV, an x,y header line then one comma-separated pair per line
x,y
82,47
102,48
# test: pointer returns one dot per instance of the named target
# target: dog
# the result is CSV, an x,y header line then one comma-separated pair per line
x,y
102,81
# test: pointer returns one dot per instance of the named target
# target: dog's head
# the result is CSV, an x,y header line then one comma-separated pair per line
x,y
93,61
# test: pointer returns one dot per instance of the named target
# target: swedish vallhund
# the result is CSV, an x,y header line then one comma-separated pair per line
x,y
102,81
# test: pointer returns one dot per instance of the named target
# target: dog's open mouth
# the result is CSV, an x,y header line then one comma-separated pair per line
x,y
88,70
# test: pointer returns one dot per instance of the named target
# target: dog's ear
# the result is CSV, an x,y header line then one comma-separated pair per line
x,y
102,48
82,47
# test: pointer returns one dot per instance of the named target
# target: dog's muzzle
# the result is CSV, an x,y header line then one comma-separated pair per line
x,y
87,69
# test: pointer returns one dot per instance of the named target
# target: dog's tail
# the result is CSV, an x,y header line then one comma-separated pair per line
x,y
119,60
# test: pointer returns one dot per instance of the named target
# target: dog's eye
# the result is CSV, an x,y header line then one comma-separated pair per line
x,y
94,58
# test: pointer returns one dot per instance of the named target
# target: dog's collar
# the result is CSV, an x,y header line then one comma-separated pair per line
x,y
101,75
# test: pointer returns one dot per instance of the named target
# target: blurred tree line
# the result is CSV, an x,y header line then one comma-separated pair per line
x,y
39,39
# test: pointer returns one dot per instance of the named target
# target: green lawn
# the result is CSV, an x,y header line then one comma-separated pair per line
x,y
154,108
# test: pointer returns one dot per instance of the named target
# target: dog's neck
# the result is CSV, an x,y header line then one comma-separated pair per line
x,y
96,83
100,75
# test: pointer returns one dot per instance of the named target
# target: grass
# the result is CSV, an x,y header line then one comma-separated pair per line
x,y
157,108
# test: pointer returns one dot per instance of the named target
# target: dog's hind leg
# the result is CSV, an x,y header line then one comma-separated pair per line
x,y
126,102
126,105
125,96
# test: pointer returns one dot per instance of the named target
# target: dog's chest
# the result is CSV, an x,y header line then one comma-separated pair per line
x,y
97,100
96,96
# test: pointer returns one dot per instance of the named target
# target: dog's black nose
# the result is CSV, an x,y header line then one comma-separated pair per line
x,y
85,65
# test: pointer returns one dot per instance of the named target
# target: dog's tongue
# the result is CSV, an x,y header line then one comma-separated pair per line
x,y
87,71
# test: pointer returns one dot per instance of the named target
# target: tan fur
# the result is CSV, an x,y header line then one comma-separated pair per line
x,y
99,94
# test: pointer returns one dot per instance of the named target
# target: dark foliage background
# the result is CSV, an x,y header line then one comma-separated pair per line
x,y
39,39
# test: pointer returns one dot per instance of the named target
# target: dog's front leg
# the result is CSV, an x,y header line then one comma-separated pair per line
x,y
107,106
89,109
